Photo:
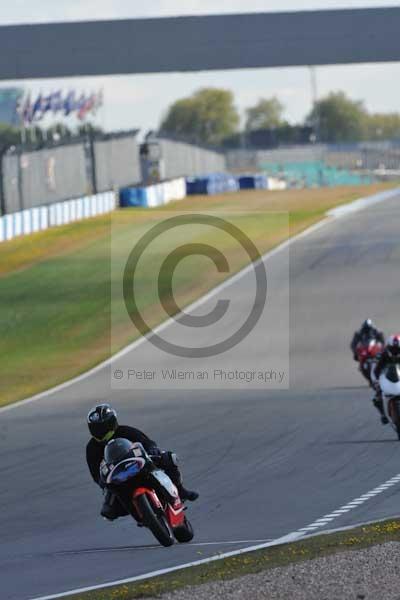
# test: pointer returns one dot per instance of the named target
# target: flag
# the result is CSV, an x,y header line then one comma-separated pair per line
x,y
37,108
86,106
99,100
46,103
27,111
56,102
69,104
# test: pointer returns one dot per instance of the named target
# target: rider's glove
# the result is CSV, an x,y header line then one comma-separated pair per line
x,y
154,451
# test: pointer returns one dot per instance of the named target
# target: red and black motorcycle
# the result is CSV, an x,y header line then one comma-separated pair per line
x,y
368,355
145,491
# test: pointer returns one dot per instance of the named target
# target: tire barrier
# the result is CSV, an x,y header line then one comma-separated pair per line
x,y
219,183
253,182
153,195
216,183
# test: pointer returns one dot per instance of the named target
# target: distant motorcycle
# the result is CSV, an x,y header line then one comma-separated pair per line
x,y
367,355
389,383
146,492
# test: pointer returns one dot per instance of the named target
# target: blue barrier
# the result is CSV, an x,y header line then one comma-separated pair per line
x,y
215,183
257,181
153,195
133,197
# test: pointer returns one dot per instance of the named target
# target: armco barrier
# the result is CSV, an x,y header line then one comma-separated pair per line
x,y
153,195
42,217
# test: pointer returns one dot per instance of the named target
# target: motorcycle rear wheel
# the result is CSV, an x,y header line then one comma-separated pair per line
x,y
184,533
157,524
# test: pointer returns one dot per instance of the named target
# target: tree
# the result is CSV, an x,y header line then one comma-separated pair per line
x,y
266,114
337,118
9,136
86,128
383,126
208,116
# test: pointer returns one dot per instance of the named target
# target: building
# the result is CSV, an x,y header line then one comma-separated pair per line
x,y
10,99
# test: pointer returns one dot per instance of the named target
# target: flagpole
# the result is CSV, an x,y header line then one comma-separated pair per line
x,y
23,133
21,114
103,118
22,130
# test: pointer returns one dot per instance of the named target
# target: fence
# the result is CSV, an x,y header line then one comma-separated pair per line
x,y
57,173
363,155
188,160
45,176
238,160
117,163
40,218
90,165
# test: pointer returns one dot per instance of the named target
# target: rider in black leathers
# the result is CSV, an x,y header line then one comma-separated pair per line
x,y
103,426
365,334
390,356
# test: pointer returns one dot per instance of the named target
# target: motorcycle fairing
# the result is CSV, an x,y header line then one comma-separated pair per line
x,y
165,482
125,470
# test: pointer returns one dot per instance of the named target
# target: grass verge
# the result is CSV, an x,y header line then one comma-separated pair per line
x,y
56,287
253,562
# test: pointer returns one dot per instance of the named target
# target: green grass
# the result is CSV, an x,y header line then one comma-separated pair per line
x,y
253,562
57,287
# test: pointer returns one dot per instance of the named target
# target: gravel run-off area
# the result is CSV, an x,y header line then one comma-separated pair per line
x,y
370,574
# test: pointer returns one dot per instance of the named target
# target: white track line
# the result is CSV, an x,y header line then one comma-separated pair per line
x,y
283,540
291,537
331,215
361,203
155,547
351,505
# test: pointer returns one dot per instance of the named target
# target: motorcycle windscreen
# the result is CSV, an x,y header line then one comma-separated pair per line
x,y
125,470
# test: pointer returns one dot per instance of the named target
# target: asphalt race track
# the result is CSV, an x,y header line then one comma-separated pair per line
x,y
266,464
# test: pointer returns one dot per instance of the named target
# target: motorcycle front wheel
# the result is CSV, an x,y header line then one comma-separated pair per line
x,y
157,523
184,533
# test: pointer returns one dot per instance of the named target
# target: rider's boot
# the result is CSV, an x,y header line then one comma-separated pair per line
x,y
378,403
187,494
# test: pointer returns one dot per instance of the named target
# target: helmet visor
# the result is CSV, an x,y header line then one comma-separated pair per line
x,y
100,431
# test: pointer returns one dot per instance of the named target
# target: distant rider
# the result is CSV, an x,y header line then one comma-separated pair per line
x,y
103,426
364,335
390,356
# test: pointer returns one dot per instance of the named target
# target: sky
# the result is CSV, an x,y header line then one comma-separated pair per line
x,y
140,101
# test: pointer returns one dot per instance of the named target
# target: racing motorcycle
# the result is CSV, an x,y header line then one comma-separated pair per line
x,y
146,492
389,382
368,355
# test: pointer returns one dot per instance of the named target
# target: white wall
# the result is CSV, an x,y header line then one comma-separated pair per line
x,y
61,213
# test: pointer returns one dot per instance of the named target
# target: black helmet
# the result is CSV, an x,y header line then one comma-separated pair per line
x,y
367,325
102,422
118,450
393,345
